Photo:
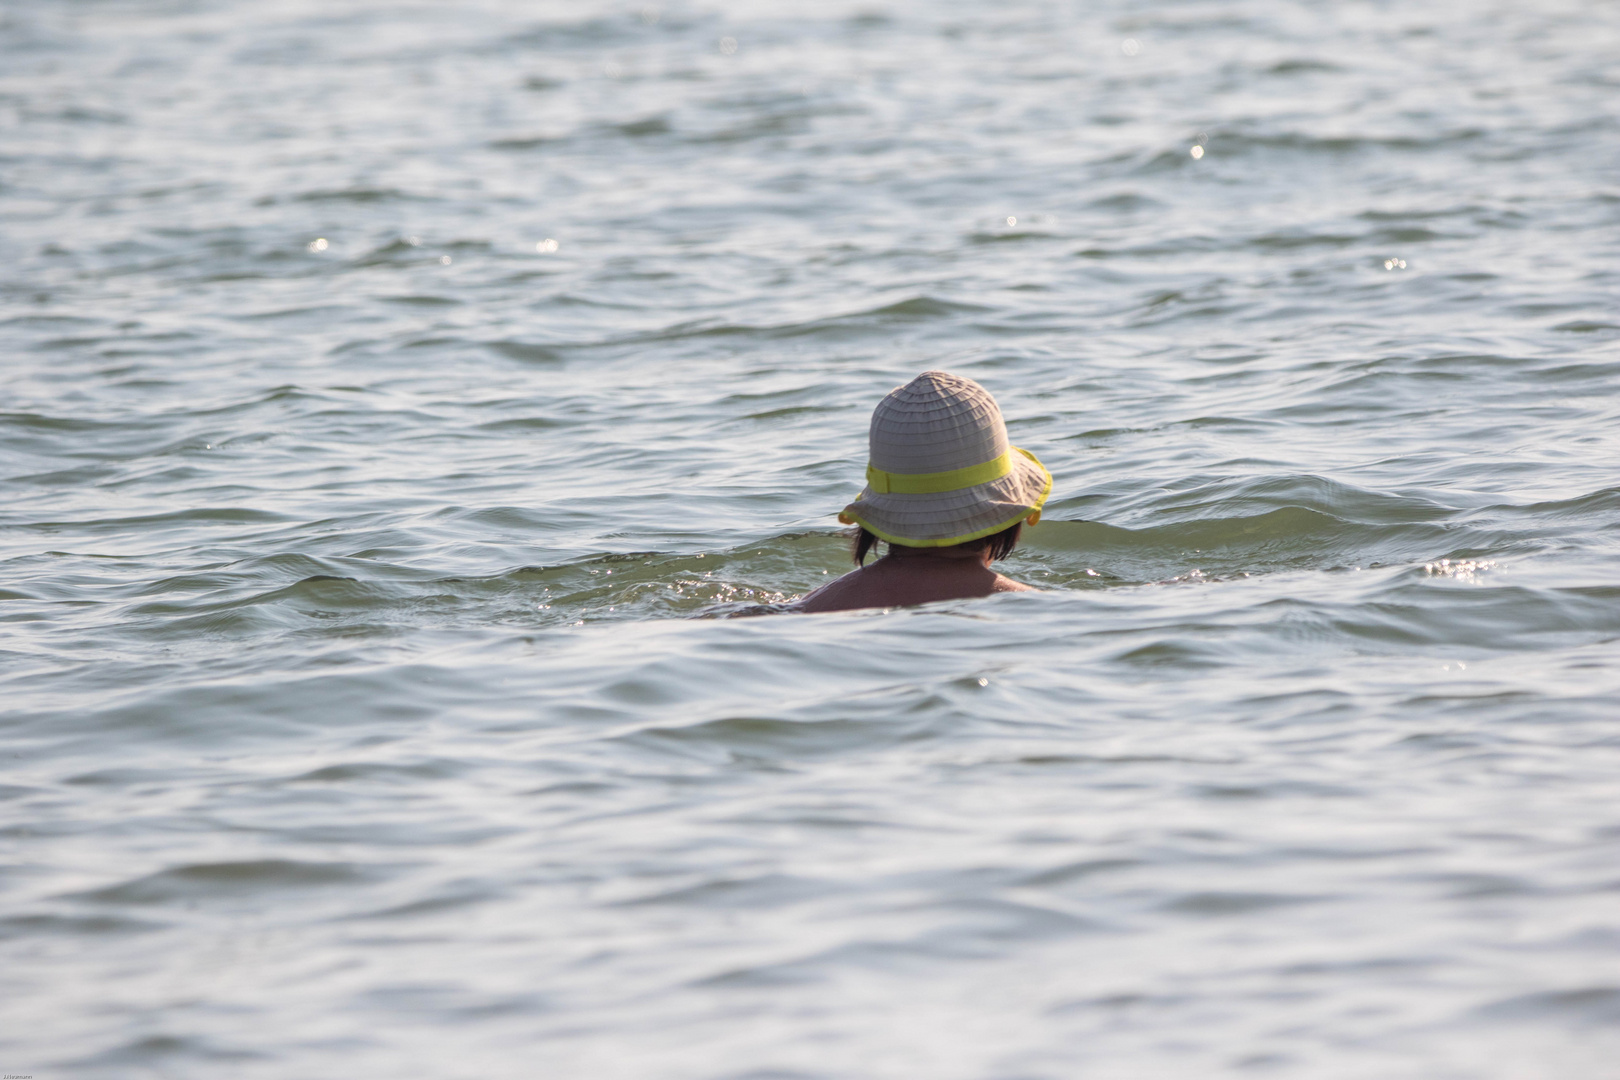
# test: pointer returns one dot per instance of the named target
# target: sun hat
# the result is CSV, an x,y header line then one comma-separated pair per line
x,y
941,470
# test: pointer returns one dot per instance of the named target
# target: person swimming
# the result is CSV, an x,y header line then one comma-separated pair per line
x,y
945,492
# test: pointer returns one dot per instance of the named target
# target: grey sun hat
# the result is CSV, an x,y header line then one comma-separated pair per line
x,y
941,470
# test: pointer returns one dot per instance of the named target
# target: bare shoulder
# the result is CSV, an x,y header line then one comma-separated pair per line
x,y
834,596
886,585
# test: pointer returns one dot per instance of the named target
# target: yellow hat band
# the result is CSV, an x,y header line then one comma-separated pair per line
x,y
884,483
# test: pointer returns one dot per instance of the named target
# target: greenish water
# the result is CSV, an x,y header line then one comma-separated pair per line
x,y
398,401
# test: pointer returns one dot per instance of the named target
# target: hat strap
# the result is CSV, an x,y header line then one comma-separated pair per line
x,y
882,483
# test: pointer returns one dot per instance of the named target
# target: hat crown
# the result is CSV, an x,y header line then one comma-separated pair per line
x,y
937,422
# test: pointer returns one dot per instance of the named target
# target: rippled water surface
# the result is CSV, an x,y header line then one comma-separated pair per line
x,y
396,402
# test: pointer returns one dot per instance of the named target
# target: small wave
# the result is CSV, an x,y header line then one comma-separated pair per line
x,y
202,515
1233,143
1010,236
639,129
1221,904
594,31
359,194
526,352
1303,67
248,880
524,142
1125,201
72,926
1603,505
1596,1006
863,322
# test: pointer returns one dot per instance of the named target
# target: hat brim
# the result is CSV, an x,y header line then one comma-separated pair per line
x,y
954,517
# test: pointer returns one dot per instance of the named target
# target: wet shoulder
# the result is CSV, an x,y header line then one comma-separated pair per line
x,y
837,595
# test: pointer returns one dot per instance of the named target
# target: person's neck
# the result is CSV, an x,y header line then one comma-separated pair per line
x,y
957,554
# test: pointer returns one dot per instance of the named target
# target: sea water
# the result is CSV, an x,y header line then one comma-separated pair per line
x,y
399,401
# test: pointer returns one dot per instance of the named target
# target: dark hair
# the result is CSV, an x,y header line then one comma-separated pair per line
x,y
1000,545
